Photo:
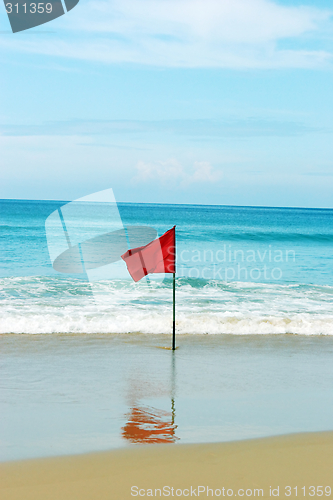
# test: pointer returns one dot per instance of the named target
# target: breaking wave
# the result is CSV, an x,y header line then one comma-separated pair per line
x,y
47,305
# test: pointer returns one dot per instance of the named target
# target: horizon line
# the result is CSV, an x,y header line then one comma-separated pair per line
x,y
178,204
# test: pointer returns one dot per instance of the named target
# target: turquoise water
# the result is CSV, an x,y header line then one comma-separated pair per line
x,y
240,270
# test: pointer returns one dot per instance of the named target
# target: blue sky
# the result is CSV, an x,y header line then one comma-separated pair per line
x,y
171,101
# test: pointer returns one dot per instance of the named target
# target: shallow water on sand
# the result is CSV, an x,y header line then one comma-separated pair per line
x,y
64,394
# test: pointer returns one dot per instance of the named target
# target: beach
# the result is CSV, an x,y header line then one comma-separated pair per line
x,y
166,249
290,466
92,399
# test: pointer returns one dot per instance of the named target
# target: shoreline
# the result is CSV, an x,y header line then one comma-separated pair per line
x,y
259,466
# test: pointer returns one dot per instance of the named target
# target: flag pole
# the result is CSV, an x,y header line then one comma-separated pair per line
x,y
174,299
174,314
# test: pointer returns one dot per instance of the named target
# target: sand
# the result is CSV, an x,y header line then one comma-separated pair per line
x,y
242,468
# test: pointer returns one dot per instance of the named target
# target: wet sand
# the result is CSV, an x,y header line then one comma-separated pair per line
x,y
242,468
75,394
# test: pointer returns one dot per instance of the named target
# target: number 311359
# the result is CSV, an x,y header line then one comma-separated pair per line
x,y
33,8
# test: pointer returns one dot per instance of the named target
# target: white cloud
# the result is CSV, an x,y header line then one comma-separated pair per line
x,y
188,33
240,21
172,174
204,172
163,171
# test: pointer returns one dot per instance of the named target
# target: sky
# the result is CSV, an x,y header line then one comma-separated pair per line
x,y
226,102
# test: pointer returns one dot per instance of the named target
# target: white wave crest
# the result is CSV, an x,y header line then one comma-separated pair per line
x,y
155,323
38,305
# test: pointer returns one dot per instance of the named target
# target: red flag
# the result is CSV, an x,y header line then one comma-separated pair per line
x,y
159,256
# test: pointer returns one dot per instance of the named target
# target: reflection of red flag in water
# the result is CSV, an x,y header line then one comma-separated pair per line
x,y
148,425
159,256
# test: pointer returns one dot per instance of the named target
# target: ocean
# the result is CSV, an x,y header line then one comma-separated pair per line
x,y
240,270
84,364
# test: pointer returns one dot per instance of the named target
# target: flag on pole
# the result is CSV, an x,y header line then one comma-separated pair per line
x,y
159,256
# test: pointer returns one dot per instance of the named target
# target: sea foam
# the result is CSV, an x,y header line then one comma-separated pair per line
x,y
46,305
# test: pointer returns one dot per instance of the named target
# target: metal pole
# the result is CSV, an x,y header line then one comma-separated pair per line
x,y
174,314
